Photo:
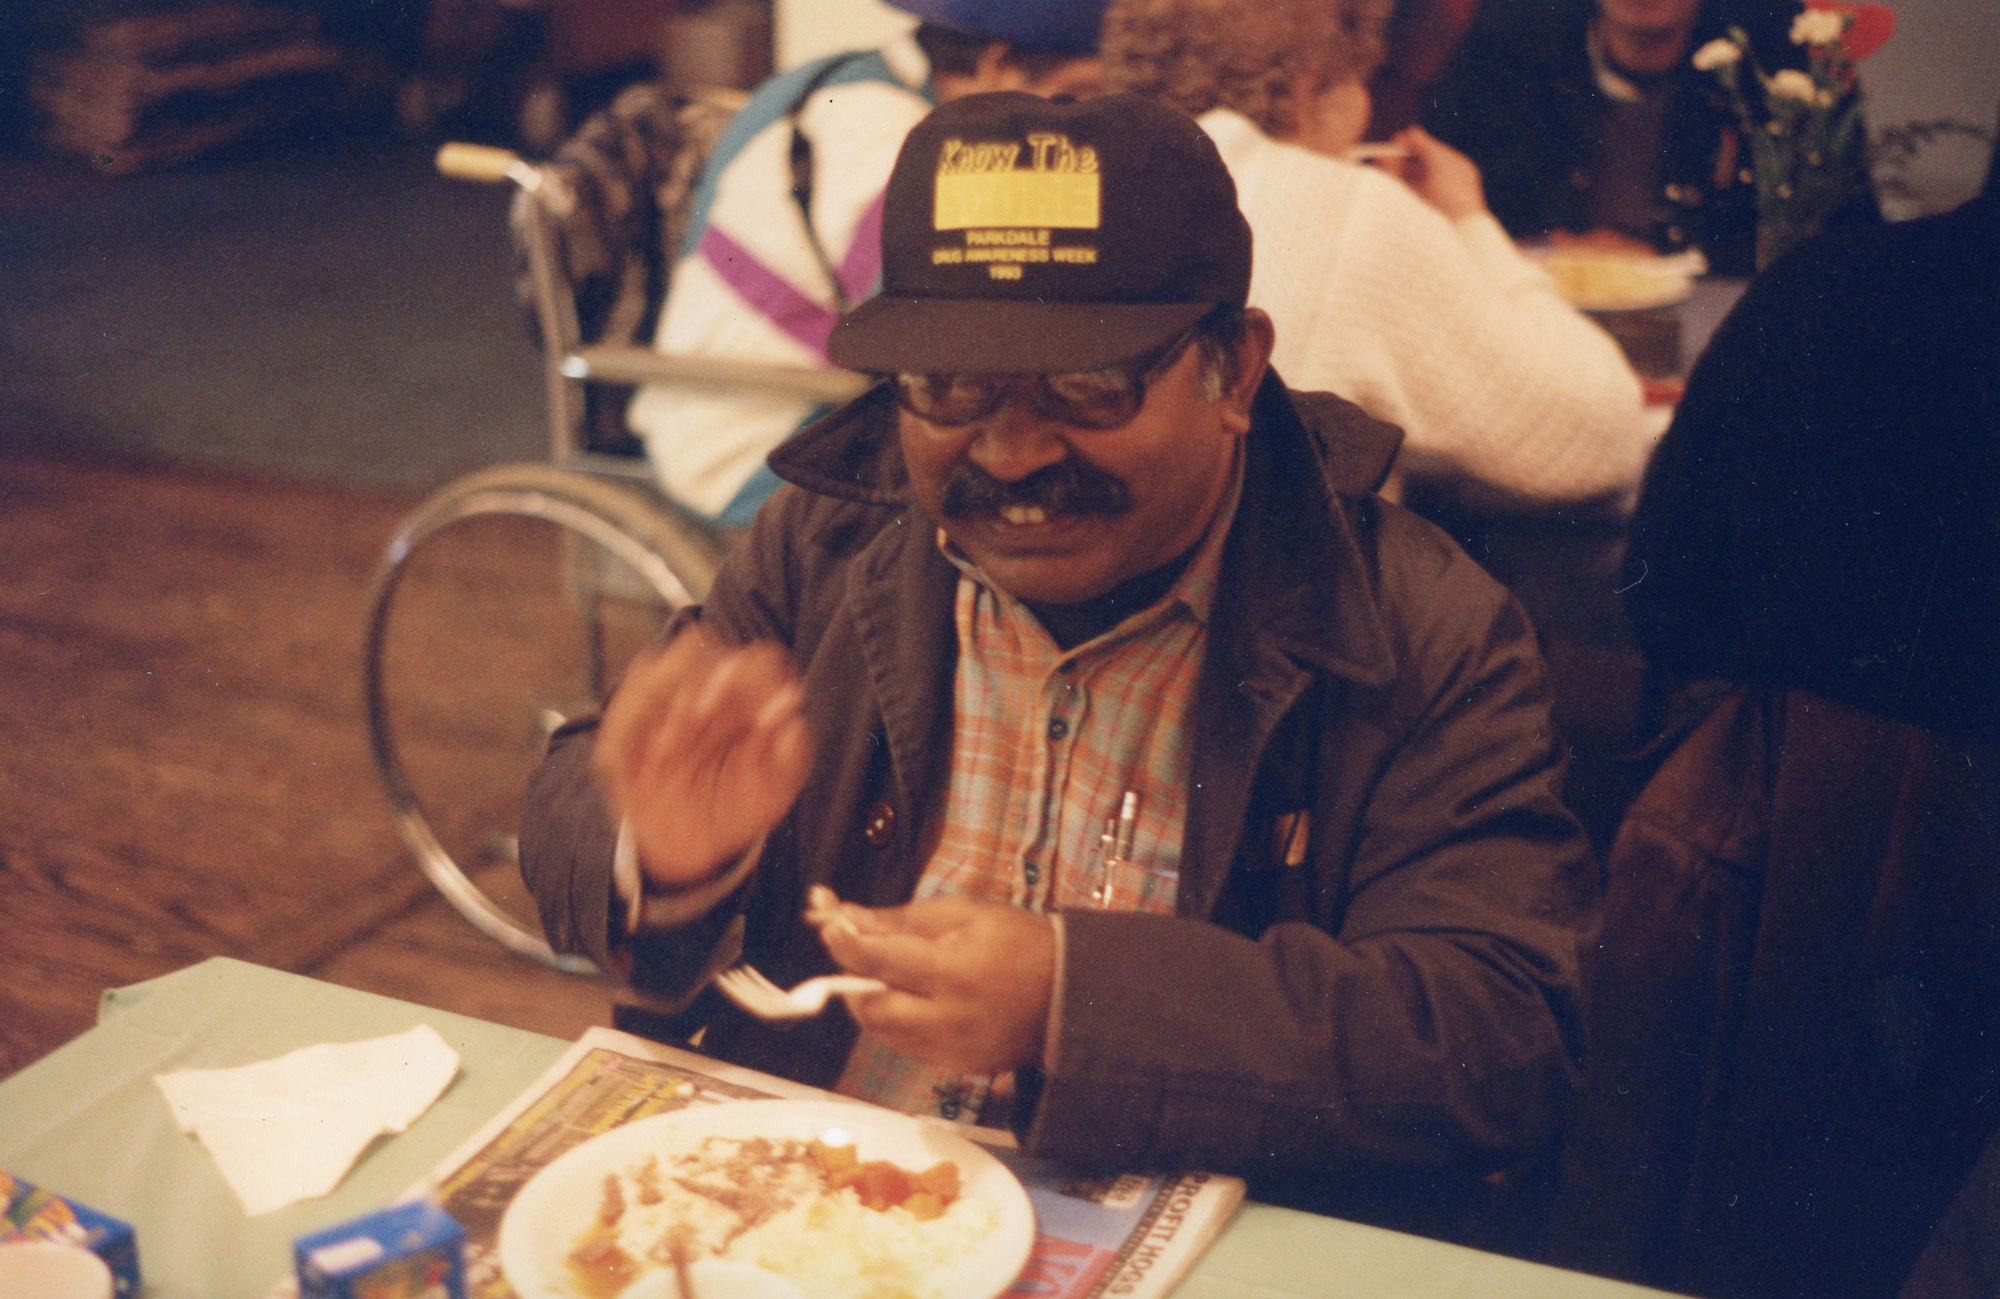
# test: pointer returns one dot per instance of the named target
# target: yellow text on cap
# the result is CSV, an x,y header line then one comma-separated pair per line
x,y
986,184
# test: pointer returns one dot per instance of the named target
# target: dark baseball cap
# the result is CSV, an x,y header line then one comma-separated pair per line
x,y
1058,26
1030,235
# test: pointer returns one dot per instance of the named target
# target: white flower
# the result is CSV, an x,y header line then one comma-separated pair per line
x,y
1818,27
1718,53
1790,83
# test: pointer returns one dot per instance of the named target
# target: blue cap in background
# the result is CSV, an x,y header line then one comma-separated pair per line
x,y
1065,26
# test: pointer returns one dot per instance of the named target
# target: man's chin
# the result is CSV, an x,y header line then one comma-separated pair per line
x,y
1053,561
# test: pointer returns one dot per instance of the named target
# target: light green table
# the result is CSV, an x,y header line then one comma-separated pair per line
x,y
88,1122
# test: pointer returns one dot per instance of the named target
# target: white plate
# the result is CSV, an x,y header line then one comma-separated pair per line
x,y
1595,279
552,1210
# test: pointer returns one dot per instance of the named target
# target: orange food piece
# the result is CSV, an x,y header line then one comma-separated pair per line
x,y
881,1185
600,1267
940,1180
833,1160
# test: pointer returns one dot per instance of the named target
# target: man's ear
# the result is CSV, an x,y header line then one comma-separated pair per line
x,y
1251,358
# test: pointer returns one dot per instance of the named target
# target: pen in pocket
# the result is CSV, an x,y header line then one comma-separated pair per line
x,y
1115,844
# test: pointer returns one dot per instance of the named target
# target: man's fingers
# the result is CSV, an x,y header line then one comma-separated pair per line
x,y
915,1025
721,710
893,1014
620,736
651,685
935,917
911,962
682,713
702,749
949,1033
969,980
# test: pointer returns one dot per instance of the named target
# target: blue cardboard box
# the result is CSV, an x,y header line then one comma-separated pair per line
x,y
407,1251
35,1214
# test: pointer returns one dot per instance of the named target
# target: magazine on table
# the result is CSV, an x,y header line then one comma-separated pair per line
x,y
1130,1236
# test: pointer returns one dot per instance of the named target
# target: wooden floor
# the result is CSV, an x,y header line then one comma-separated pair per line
x,y
184,761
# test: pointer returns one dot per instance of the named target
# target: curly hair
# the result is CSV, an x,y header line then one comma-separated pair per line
x,y
1253,56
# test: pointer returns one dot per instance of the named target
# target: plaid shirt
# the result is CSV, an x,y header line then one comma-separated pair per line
x,y
1046,744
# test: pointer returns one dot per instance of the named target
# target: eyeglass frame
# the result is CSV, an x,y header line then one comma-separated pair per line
x,y
1138,375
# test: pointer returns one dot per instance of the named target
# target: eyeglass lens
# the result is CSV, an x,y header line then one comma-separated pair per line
x,y
1098,399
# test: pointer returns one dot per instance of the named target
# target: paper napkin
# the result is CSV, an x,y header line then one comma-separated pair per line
x,y
288,1129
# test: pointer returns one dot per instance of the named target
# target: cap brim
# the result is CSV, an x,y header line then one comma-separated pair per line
x,y
1001,336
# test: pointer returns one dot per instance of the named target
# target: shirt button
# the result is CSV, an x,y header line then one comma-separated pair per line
x,y
1058,728
1032,871
880,827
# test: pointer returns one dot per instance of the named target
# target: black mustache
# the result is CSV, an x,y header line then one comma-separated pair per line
x,y
1066,487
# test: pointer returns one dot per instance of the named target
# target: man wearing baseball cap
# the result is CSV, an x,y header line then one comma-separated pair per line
x,y
1196,806
784,231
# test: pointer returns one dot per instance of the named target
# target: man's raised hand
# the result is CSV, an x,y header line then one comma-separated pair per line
x,y
703,749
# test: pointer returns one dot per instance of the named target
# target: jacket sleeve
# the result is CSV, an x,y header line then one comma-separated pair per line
x,y
1425,1015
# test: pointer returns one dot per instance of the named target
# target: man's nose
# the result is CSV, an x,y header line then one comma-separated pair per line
x,y
1015,441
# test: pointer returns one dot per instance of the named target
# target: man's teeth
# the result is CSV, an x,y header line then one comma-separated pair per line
x,y
1024,514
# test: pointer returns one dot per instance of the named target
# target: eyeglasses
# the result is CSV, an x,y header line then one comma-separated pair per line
x,y
1094,399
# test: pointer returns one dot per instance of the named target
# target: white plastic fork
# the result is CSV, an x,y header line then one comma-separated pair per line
x,y
747,987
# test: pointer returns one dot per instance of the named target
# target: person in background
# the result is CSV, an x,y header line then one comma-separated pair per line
x,y
1794,992
782,238
1587,118
1198,806
1402,295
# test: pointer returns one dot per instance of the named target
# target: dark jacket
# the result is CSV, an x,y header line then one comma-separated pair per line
x,y
1794,1006
1962,1258
1370,1030
1825,511
1794,999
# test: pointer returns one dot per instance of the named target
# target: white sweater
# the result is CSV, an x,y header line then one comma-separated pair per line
x,y
1506,394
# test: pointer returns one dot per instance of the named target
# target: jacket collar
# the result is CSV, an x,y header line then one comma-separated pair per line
x,y
1296,579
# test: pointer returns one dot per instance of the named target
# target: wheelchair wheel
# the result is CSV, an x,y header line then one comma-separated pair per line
x,y
505,603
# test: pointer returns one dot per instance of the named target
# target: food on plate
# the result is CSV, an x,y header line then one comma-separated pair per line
x,y
812,1211
1604,279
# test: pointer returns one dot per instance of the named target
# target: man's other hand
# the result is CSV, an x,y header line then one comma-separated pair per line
x,y
969,980
702,750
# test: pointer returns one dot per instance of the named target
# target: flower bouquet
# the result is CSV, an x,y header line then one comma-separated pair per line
x,y
1808,152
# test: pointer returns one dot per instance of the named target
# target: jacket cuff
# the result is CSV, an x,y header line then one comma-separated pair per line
x,y
1052,1031
649,907
1029,1078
